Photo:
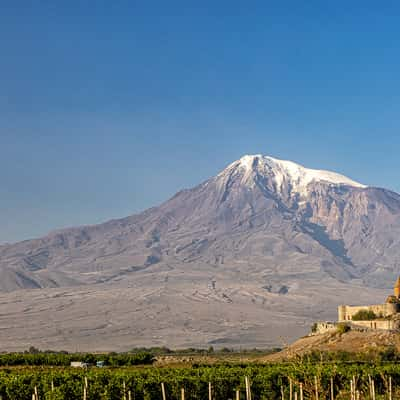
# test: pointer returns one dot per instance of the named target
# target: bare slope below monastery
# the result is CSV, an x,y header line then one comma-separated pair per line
x,y
249,257
351,342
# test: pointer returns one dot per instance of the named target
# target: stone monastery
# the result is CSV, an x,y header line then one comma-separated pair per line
x,y
378,316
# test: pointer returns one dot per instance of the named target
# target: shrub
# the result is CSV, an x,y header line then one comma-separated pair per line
x,y
343,328
390,354
364,315
392,300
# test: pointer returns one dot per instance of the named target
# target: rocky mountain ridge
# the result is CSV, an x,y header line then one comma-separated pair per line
x,y
253,254
259,210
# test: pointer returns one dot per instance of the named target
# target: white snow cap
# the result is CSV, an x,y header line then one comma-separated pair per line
x,y
289,172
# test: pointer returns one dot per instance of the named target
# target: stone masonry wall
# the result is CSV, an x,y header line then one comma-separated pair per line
x,y
324,327
345,313
385,324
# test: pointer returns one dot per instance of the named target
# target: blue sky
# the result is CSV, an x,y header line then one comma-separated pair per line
x,y
108,110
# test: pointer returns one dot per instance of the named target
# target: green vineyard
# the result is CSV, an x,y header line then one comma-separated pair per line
x,y
290,381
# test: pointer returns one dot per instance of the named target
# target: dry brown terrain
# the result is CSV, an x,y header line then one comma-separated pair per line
x,y
179,313
353,342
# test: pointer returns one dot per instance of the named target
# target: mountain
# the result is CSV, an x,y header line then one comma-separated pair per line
x,y
266,246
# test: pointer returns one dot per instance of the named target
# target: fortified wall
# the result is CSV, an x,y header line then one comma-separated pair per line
x,y
346,313
377,316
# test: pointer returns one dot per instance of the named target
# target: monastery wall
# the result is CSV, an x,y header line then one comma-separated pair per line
x,y
324,327
346,313
386,324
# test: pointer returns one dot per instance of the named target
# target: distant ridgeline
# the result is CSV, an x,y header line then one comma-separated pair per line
x,y
377,317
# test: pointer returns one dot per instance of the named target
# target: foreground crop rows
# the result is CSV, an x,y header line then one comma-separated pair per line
x,y
269,381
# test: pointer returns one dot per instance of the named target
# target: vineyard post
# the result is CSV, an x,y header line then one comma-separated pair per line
x,y
52,385
129,395
316,387
332,388
290,389
209,391
250,396
282,393
373,389
163,391
237,395
354,388
301,391
124,390
36,393
370,386
84,393
182,394
351,390
390,388
246,380
295,395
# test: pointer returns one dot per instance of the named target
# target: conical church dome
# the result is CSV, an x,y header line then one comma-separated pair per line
x,y
397,287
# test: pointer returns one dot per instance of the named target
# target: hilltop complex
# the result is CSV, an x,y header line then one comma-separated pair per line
x,y
377,316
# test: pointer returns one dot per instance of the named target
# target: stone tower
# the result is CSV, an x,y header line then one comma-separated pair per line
x,y
397,288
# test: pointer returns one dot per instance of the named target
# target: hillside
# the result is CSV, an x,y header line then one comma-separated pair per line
x,y
266,217
352,342
250,257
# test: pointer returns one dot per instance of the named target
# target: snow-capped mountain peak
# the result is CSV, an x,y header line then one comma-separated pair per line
x,y
287,173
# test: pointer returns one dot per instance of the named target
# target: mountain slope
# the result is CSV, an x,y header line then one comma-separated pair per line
x,y
371,342
258,214
254,253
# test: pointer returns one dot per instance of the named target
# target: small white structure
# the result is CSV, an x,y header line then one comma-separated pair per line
x,y
324,327
79,364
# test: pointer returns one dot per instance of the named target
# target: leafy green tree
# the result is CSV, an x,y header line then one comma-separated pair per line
x,y
364,315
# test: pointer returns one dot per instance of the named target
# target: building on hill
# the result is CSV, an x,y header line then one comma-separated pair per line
x,y
377,316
